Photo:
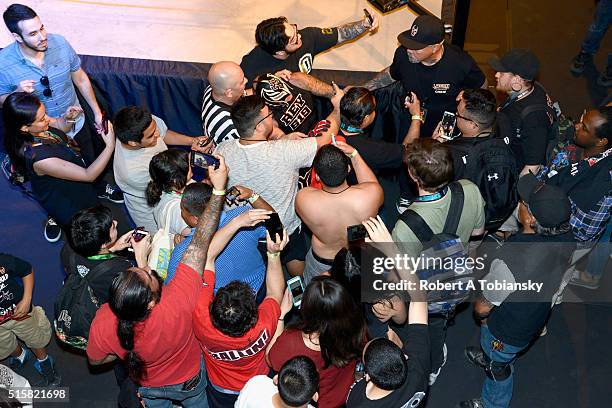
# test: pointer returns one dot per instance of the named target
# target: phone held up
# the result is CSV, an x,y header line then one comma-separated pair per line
x,y
356,233
368,16
296,288
138,234
274,226
447,125
203,160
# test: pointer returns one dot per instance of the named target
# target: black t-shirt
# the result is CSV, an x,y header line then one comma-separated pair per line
x,y
412,392
61,198
299,114
12,269
75,263
520,318
314,41
378,154
438,85
528,137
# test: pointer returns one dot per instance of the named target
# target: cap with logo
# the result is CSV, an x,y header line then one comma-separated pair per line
x,y
519,61
549,204
426,30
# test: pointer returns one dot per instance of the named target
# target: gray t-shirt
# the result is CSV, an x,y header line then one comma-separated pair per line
x,y
131,169
271,170
434,213
169,209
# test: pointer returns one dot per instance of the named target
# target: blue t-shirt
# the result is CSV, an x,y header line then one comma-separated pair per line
x,y
60,62
240,260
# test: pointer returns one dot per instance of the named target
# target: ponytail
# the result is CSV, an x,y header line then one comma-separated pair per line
x,y
153,194
168,170
135,364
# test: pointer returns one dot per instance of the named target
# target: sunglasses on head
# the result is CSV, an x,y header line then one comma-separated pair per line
x,y
45,82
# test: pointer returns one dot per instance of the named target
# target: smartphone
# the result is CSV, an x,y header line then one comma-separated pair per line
x,y
296,287
203,160
409,97
104,123
232,193
139,233
356,233
448,125
274,226
368,16
334,139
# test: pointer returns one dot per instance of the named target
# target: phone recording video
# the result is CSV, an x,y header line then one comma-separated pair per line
x,y
296,288
274,226
447,125
232,194
139,233
203,160
368,16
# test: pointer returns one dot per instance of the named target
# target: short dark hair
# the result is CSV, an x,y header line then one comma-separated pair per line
x,y
481,106
233,310
270,35
196,197
331,165
385,364
131,122
246,113
605,129
431,163
168,171
355,105
298,381
90,229
16,13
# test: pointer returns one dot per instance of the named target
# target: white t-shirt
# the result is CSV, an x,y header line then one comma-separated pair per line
x,y
257,393
169,207
131,168
271,170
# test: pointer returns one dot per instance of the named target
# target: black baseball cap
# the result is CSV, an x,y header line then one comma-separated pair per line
x,y
425,30
548,204
519,61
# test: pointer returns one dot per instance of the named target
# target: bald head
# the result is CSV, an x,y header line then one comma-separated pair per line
x,y
225,75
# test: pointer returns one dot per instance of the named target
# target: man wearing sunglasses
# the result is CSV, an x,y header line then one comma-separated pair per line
x,y
281,45
47,65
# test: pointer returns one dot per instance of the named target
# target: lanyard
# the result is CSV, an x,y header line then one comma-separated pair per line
x,y
432,197
100,257
349,128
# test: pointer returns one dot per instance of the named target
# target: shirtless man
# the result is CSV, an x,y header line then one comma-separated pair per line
x,y
330,210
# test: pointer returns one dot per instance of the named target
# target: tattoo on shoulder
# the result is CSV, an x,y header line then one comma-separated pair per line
x,y
351,30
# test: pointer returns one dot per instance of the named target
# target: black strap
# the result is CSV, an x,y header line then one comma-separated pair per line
x,y
420,228
456,208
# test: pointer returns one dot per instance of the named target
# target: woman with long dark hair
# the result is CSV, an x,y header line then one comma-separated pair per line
x,y
60,180
170,172
331,332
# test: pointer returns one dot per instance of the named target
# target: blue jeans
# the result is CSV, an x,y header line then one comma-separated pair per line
x,y
598,28
598,258
497,394
163,397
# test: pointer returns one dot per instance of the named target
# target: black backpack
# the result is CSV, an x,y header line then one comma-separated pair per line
x,y
447,254
490,164
76,304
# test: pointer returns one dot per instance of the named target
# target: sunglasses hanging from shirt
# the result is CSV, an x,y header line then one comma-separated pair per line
x,y
45,82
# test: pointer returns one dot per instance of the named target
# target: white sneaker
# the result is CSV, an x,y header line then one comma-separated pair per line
x,y
53,232
434,376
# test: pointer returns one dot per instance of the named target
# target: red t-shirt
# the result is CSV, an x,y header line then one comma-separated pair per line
x,y
232,361
165,340
334,383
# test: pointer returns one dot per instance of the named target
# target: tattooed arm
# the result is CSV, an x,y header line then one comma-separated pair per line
x,y
195,255
311,84
352,30
382,79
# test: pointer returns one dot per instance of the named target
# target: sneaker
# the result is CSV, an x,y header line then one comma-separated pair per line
x,y
605,78
577,280
402,205
473,403
47,370
112,194
53,232
476,356
434,376
14,362
579,61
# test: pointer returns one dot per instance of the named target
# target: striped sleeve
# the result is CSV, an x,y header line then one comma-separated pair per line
x,y
216,121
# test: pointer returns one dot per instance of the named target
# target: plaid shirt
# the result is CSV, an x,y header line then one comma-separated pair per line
x,y
588,226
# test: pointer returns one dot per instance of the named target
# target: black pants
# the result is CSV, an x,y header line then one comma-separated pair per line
x,y
219,399
437,336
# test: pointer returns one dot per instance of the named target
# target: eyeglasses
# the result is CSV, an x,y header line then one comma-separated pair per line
x,y
464,118
45,82
294,39
262,119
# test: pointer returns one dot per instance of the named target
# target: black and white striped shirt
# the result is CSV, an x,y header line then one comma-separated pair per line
x,y
216,120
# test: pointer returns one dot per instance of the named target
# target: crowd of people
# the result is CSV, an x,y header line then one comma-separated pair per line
x,y
190,294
